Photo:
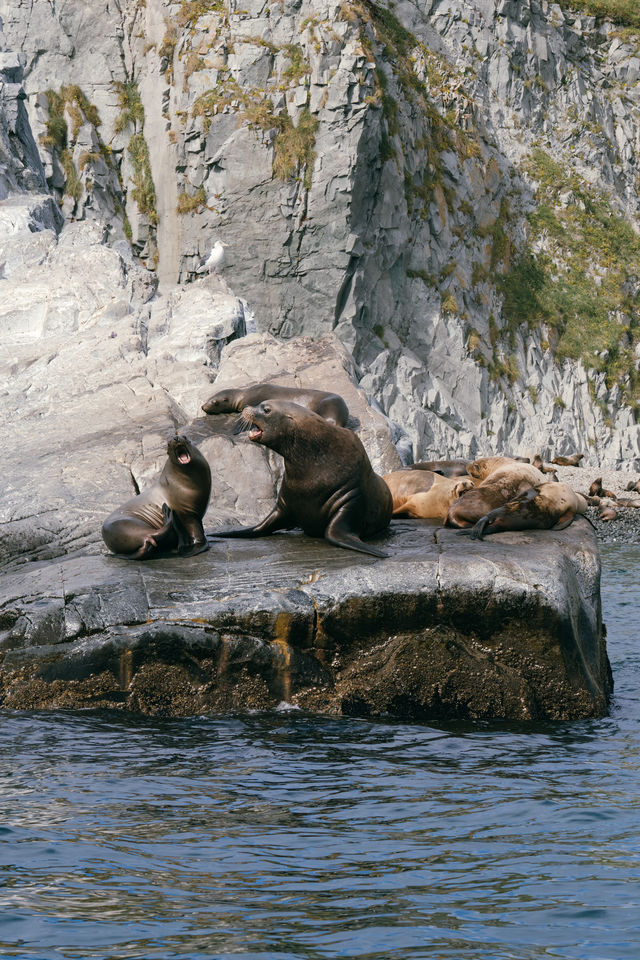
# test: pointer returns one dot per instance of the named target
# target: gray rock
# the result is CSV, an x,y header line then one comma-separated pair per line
x,y
445,628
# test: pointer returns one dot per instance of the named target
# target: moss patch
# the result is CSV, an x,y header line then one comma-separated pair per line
x,y
625,12
583,283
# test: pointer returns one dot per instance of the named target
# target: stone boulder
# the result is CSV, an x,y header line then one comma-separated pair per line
x,y
444,628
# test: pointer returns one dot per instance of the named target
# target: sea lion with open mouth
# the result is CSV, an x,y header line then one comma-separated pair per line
x,y
169,514
328,489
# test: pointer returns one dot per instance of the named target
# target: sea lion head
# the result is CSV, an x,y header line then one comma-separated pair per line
x,y
222,402
181,452
273,423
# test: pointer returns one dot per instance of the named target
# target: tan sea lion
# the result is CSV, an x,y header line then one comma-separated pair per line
x,y
167,515
328,488
481,468
572,461
448,468
550,505
607,511
433,504
331,406
404,483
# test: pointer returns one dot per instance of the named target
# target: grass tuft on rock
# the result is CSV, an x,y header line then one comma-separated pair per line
x,y
583,279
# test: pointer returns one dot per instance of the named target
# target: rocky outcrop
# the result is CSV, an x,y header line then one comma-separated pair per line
x,y
445,628
412,177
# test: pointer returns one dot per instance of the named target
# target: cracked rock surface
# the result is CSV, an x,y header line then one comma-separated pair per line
x,y
444,628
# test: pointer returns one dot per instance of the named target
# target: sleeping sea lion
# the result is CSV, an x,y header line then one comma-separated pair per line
x,y
328,488
549,505
331,406
507,480
167,515
404,483
433,504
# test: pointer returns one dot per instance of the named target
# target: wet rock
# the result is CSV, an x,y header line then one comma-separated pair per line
x,y
445,628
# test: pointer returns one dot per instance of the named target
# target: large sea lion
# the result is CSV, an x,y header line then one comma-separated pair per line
x,y
447,468
167,515
549,505
505,480
331,406
328,488
433,504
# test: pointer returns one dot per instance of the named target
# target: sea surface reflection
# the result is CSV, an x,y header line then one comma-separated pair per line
x,y
289,837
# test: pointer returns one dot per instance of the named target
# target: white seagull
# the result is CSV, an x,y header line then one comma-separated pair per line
x,y
211,263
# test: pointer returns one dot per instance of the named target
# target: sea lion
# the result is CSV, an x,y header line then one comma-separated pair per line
x,y
607,511
550,505
597,490
447,468
481,468
572,461
505,482
328,488
167,515
405,483
433,504
633,485
331,406
539,464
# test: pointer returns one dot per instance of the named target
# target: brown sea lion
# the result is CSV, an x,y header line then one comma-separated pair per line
x,y
433,504
328,488
448,468
331,406
167,515
597,490
572,461
633,485
550,505
607,511
505,481
539,464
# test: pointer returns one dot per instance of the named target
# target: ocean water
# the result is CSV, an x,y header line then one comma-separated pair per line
x,y
289,837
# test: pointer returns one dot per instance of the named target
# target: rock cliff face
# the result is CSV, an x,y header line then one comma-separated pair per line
x,y
449,185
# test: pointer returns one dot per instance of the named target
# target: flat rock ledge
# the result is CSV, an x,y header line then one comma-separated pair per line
x,y
446,628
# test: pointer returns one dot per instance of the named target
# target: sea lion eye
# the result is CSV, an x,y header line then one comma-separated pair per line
x,y
266,408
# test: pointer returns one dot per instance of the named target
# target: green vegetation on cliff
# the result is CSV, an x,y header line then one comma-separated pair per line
x,y
293,141
583,280
69,103
624,12
132,116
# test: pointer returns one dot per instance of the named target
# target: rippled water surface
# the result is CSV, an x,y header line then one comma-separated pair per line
x,y
283,836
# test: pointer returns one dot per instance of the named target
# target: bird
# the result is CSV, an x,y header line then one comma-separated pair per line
x,y
211,263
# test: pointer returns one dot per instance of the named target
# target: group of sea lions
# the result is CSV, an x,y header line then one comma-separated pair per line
x,y
497,494
329,488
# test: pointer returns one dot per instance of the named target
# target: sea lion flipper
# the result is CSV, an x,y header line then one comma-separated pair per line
x,y
340,534
278,519
565,520
477,532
